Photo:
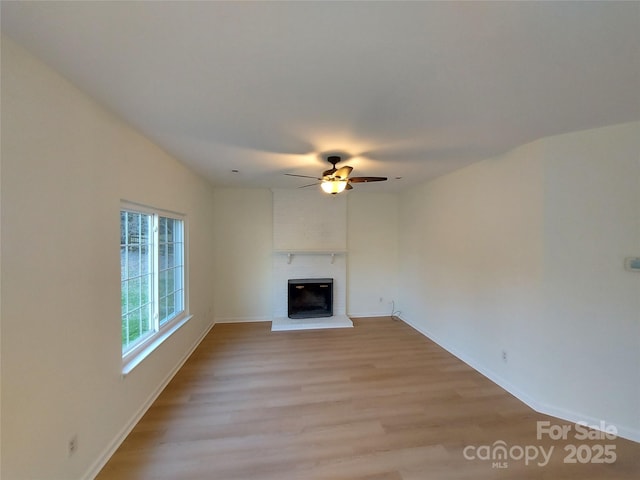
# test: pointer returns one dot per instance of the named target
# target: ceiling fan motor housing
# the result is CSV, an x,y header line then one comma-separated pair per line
x,y
332,159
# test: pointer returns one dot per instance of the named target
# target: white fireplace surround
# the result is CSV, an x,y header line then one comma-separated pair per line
x,y
309,265
309,242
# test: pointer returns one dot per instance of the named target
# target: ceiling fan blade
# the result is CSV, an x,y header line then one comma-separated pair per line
x,y
343,172
348,187
310,185
303,176
367,179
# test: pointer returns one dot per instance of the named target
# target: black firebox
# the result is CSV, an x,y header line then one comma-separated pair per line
x,y
310,297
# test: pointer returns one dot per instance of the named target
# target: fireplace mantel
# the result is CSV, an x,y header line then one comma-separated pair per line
x,y
292,253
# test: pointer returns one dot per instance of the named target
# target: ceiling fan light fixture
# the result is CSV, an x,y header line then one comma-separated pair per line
x,y
333,186
337,180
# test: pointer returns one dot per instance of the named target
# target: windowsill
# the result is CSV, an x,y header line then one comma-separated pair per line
x,y
137,359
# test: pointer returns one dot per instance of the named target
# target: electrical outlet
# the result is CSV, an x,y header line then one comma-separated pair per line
x,y
504,356
73,445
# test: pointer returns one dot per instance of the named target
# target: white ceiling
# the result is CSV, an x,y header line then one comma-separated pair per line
x,y
409,90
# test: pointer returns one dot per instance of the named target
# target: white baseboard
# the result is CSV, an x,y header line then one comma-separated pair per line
x,y
242,319
108,452
574,417
270,319
534,403
369,315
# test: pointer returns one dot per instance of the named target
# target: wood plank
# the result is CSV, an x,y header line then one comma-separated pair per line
x,y
376,402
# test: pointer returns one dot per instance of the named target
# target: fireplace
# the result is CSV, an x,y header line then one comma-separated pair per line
x,y
310,297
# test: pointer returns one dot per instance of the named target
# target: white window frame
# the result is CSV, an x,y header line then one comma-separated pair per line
x,y
159,332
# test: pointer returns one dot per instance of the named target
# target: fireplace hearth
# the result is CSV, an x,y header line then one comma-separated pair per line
x,y
310,297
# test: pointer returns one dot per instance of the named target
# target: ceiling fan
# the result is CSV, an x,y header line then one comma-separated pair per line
x,y
336,180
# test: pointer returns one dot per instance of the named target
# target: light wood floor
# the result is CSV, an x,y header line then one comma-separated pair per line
x,y
376,402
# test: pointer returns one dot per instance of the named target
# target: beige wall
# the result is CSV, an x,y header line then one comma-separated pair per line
x,y
66,163
591,316
244,243
372,236
524,254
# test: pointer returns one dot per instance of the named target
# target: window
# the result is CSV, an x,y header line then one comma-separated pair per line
x,y
152,266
